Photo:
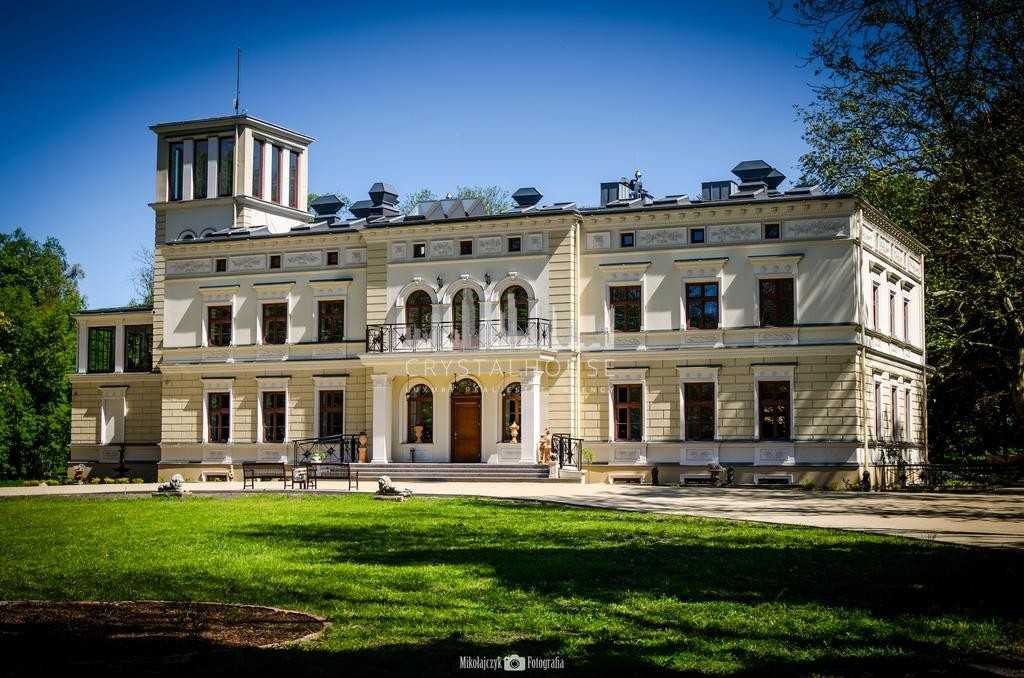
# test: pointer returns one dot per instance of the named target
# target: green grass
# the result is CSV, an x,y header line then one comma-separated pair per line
x,y
411,587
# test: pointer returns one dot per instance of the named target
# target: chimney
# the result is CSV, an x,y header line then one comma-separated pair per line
x,y
710,191
383,202
327,206
614,190
528,196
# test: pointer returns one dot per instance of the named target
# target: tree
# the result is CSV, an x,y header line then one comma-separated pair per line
x,y
142,278
38,294
920,111
495,198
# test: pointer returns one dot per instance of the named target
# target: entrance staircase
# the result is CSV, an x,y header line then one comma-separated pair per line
x,y
467,473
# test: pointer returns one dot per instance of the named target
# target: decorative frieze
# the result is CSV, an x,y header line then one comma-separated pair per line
x,y
189,266
805,229
355,256
442,248
700,268
698,454
729,233
312,259
535,242
661,237
489,245
246,263
398,251
599,241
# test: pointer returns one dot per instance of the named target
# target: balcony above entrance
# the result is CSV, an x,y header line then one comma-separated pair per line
x,y
487,335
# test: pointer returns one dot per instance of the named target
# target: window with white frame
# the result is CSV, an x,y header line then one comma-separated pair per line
x,y
908,415
627,388
218,400
329,405
272,424
894,398
878,411
218,315
774,402
698,395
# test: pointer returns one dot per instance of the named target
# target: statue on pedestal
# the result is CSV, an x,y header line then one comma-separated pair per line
x,y
545,447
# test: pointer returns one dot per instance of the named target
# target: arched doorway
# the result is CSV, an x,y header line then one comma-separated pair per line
x,y
466,411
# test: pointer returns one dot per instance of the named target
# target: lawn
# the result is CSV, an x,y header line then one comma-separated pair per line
x,y
412,587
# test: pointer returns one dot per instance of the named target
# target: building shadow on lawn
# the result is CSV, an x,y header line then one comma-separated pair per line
x,y
741,564
441,657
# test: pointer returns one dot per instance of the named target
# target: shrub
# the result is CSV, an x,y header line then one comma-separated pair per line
x,y
137,481
107,481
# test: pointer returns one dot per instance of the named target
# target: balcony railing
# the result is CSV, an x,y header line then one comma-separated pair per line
x,y
487,335
567,450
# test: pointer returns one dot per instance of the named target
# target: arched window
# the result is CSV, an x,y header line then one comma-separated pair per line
x,y
465,387
466,300
511,411
187,235
418,315
420,412
515,303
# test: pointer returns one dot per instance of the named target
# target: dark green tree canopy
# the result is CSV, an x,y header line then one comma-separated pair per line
x,y
38,294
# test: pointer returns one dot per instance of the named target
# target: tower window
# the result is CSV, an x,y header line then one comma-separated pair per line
x,y
225,166
293,179
200,167
175,170
275,173
257,168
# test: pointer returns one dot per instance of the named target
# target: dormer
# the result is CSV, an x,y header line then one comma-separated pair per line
x,y
228,173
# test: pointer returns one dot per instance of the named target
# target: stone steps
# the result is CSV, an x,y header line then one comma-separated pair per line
x,y
455,472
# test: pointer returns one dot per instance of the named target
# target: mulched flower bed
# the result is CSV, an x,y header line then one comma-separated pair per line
x,y
146,629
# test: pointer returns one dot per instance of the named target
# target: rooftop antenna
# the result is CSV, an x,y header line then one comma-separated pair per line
x,y
238,78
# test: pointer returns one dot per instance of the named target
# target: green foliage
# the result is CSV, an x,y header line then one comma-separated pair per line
x,y
38,294
921,112
310,197
495,198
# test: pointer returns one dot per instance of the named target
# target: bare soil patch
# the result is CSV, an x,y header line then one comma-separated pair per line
x,y
135,630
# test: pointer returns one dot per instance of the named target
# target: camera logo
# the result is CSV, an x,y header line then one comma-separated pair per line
x,y
514,662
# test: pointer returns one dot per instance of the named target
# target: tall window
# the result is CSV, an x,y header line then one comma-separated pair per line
x,y
218,325
472,299
908,415
894,397
332,410
275,173
515,304
418,315
878,411
874,306
225,166
293,179
218,412
511,411
273,416
138,348
628,406
257,168
275,323
773,409
906,319
776,302
200,167
699,410
420,412
101,349
175,170
625,307
331,321
702,306
892,314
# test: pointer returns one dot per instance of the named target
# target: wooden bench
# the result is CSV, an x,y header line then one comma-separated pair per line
x,y
329,471
251,470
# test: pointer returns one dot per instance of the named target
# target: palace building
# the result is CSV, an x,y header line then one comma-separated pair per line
x,y
777,331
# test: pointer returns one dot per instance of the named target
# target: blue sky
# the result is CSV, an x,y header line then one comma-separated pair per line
x,y
559,97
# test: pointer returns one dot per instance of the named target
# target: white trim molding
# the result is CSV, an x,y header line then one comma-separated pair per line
x,y
114,403
218,385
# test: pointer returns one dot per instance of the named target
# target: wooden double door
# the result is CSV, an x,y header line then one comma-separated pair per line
x,y
465,442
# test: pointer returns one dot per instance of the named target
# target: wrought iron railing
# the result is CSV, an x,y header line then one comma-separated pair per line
x,y
339,449
567,450
486,335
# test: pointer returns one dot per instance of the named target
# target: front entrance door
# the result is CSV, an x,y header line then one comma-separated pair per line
x,y
466,421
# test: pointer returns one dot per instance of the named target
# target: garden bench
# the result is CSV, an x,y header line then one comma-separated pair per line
x,y
251,470
327,471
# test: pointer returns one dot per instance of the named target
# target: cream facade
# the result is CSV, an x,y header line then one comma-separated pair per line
x,y
780,333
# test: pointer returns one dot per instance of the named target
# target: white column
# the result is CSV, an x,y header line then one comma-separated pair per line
x,y
382,397
212,153
268,148
530,402
119,348
83,347
189,148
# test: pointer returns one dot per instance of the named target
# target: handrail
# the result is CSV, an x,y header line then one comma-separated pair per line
x,y
567,450
336,449
450,336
